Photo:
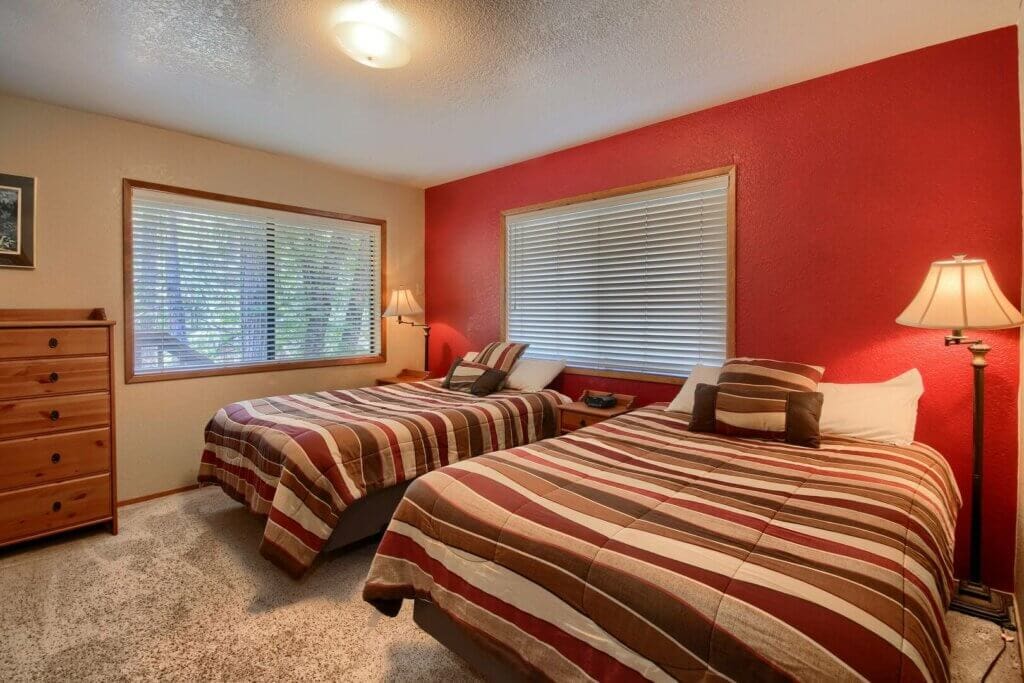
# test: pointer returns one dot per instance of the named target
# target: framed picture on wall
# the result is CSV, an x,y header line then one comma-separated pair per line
x,y
17,221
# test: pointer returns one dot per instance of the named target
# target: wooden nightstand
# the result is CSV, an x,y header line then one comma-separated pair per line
x,y
405,375
573,416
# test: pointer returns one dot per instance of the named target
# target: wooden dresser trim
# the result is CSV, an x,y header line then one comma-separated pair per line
x,y
26,317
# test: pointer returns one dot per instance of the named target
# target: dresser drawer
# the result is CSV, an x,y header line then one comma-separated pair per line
x,y
44,459
41,509
53,413
45,342
45,376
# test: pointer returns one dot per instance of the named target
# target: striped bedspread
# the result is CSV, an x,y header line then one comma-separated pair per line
x,y
303,459
635,549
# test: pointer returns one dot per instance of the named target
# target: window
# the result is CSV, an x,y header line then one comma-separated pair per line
x,y
218,285
629,282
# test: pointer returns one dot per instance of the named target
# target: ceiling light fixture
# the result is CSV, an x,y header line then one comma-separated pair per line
x,y
371,35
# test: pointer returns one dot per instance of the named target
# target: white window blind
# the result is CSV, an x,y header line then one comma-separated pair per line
x,y
222,285
633,283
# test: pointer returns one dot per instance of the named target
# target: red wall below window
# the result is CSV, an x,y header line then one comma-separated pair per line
x,y
848,186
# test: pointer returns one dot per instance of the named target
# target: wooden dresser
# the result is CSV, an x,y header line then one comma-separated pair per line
x,y
57,458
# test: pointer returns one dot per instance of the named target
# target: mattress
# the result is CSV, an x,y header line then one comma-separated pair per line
x,y
637,550
302,459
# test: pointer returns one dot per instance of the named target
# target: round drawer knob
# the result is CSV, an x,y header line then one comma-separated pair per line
x,y
55,458
56,506
54,377
54,415
583,423
53,342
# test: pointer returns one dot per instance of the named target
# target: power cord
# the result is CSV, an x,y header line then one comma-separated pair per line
x,y
1006,638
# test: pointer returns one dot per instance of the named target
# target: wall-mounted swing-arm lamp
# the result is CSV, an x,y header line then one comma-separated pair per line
x,y
403,303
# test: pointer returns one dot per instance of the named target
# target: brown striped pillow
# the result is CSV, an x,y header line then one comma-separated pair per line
x,y
754,395
473,378
500,355
776,374
797,424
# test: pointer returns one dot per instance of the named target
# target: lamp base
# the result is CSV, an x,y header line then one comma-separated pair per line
x,y
978,600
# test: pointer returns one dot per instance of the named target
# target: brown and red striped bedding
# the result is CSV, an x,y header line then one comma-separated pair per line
x,y
635,549
302,459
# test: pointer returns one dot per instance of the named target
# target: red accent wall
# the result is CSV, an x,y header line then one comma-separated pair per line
x,y
848,186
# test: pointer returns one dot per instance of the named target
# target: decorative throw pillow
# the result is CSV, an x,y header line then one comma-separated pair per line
x,y
702,413
754,395
500,355
801,412
473,378
764,372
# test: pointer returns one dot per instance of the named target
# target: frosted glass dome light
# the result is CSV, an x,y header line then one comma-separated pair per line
x,y
371,35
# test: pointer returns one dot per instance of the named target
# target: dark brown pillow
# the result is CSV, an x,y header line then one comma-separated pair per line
x,y
473,378
703,417
489,382
803,412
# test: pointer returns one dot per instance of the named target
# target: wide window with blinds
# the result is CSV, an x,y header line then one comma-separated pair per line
x,y
219,286
636,282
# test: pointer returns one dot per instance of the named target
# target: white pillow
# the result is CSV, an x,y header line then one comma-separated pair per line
x,y
702,374
882,411
530,374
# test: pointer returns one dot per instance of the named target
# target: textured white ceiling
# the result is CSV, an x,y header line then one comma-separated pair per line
x,y
490,82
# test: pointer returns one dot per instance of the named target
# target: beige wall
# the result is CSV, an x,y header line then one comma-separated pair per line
x,y
79,160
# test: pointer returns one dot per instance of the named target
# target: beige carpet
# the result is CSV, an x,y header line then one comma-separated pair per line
x,y
183,594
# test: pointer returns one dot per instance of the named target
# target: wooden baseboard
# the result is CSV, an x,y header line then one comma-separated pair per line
x,y
151,496
1016,622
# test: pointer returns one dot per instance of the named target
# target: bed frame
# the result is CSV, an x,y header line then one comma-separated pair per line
x,y
495,664
370,516
366,517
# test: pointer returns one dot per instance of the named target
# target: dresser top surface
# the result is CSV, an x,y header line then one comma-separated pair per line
x,y
53,317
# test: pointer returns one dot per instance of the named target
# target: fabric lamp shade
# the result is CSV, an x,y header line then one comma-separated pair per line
x,y
960,294
402,303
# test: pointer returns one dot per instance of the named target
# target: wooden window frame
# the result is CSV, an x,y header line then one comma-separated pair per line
x,y
730,256
129,185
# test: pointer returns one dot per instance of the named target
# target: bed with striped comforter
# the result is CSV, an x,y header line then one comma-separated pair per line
x,y
635,549
302,459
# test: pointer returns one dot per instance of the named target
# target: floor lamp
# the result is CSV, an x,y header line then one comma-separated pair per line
x,y
402,302
957,295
